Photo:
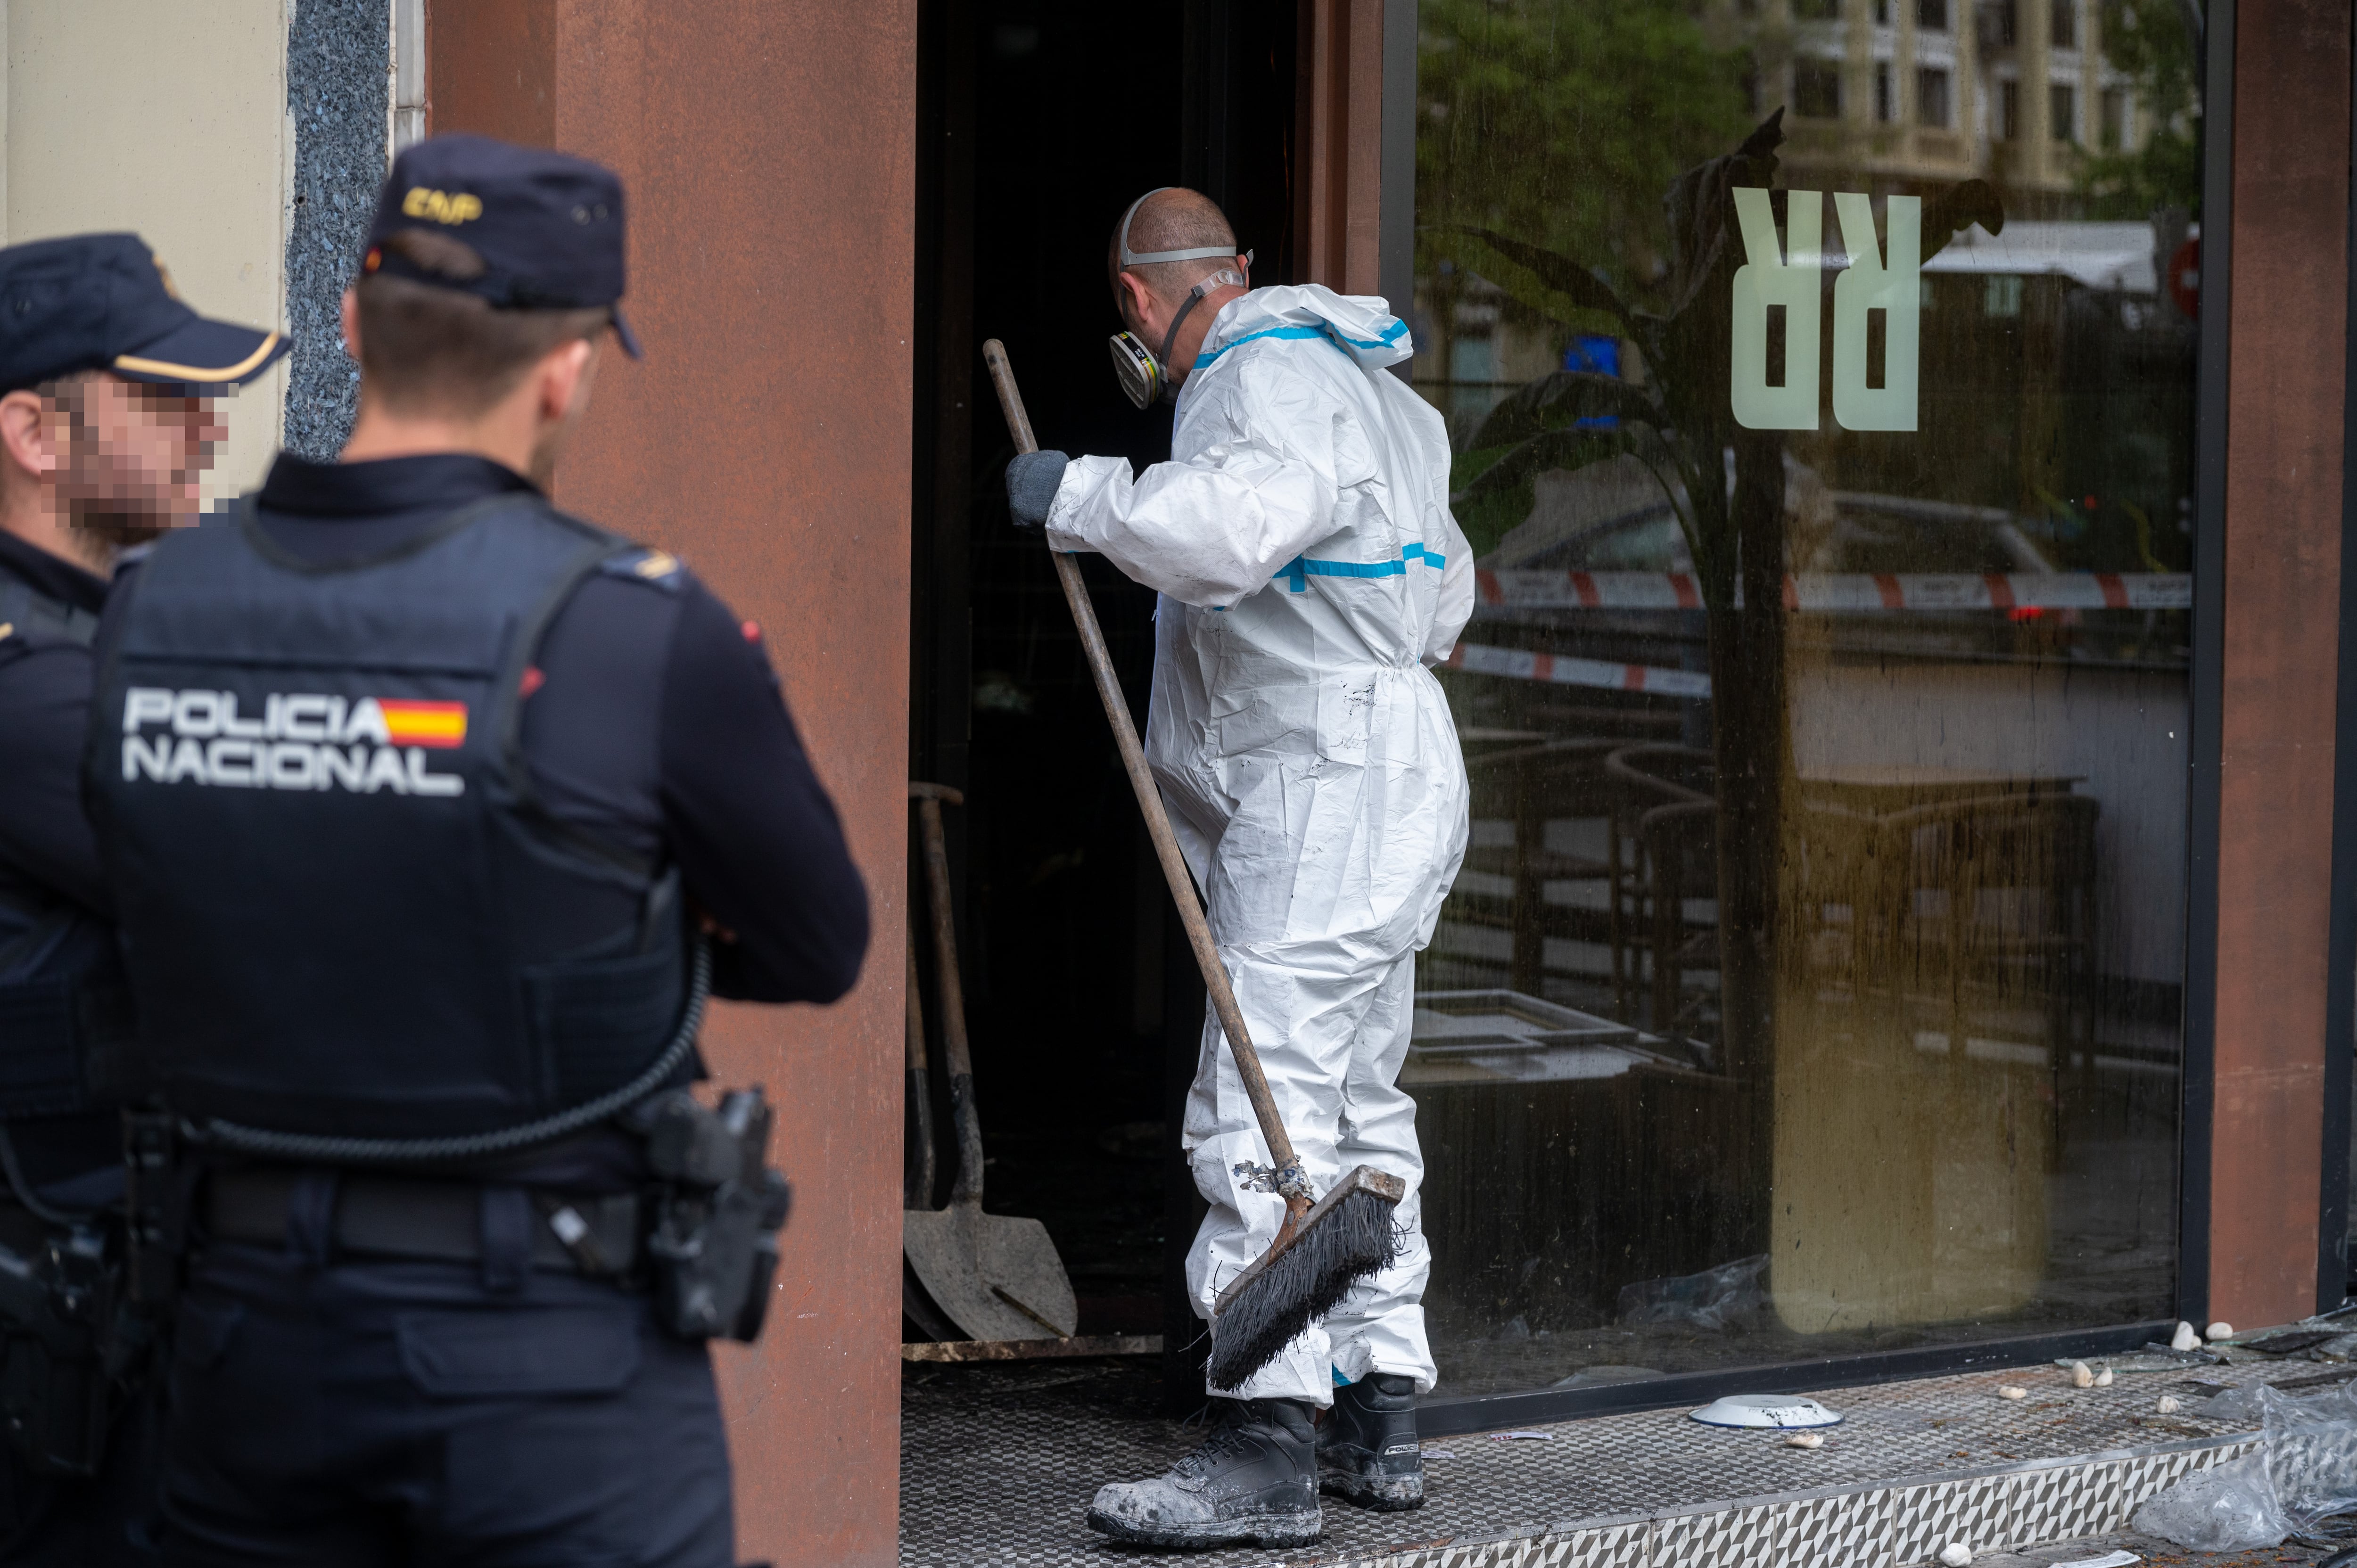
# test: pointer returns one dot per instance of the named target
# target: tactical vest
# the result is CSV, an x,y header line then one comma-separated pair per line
x,y
60,988
343,908
34,613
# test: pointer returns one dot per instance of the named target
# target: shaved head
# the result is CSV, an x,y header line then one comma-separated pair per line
x,y
1173,220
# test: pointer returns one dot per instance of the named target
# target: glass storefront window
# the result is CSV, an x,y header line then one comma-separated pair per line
x,y
1813,983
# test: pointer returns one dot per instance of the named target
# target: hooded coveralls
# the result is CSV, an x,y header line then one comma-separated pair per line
x,y
1310,571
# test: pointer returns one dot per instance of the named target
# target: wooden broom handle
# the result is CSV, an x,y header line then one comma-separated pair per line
x,y
1149,801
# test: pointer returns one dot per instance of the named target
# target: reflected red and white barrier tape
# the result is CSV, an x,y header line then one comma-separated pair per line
x,y
2018,591
1561,669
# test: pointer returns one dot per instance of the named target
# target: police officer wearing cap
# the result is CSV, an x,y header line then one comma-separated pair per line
x,y
107,421
428,814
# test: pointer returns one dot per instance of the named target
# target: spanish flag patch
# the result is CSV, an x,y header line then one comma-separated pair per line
x,y
441,727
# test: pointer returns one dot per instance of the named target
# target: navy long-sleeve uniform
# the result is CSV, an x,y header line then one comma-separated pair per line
x,y
654,725
52,896
653,733
723,788
52,918
44,845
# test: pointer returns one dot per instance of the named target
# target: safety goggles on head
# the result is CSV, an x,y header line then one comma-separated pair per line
x,y
1144,374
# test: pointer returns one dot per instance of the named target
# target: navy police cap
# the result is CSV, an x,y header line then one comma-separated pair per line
x,y
548,228
104,302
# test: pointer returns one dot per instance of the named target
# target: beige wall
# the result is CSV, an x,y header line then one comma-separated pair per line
x,y
168,118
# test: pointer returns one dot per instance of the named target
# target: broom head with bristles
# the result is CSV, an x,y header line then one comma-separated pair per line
x,y
1346,1235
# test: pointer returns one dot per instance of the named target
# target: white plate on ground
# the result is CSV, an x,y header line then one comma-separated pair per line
x,y
1784,1411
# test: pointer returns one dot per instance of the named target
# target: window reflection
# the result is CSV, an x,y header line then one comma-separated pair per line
x,y
1813,981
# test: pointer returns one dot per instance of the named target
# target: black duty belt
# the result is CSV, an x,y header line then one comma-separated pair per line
x,y
439,1221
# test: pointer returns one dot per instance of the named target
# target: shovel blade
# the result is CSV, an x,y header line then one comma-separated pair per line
x,y
996,1276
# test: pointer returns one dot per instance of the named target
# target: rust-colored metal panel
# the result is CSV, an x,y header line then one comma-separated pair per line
x,y
492,65
2282,634
1338,110
768,154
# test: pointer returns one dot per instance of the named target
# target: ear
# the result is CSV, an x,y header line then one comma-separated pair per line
x,y
564,378
351,327
1133,294
27,435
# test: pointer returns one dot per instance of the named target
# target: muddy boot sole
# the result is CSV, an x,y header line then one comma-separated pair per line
x,y
1377,1494
1267,1529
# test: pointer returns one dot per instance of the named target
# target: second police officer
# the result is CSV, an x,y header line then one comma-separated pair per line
x,y
427,810
107,424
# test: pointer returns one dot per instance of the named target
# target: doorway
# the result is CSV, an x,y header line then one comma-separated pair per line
x,y
1039,121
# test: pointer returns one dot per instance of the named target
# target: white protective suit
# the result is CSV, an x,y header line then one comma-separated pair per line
x,y
1310,572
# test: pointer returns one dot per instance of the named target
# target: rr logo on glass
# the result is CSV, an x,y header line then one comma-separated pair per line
x,y
1791,278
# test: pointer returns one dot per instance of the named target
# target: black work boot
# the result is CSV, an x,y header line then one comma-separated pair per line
x,y
1255,1479
1367,1449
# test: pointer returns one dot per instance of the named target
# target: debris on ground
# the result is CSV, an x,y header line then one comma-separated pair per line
x,y
2226,1508
2125,1550
2299,1482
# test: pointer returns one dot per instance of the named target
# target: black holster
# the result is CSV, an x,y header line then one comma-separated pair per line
x,y
713,1253
71,1345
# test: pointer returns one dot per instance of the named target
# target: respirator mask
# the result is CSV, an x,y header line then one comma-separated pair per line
x,y
1144,374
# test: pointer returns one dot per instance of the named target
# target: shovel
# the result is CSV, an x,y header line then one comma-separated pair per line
x,y
994,1277
917,1179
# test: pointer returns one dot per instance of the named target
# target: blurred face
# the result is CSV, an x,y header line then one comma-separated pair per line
x,y
130,458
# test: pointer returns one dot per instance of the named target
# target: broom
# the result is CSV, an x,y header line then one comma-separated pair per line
x,y
1323,1246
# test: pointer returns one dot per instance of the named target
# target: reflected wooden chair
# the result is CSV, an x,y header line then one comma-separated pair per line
x,y
2014,920
1528,786
1663,860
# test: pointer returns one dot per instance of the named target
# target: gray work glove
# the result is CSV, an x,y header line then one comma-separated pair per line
x,y
1031,483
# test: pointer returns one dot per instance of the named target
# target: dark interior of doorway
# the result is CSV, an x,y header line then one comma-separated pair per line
x,y
1038,122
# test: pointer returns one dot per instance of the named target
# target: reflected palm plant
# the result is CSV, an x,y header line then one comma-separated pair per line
x,y
1726,484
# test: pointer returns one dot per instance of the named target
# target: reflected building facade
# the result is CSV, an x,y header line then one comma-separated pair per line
x,y
1922,91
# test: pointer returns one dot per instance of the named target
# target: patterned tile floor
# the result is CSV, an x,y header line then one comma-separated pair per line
x,y
998,1464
